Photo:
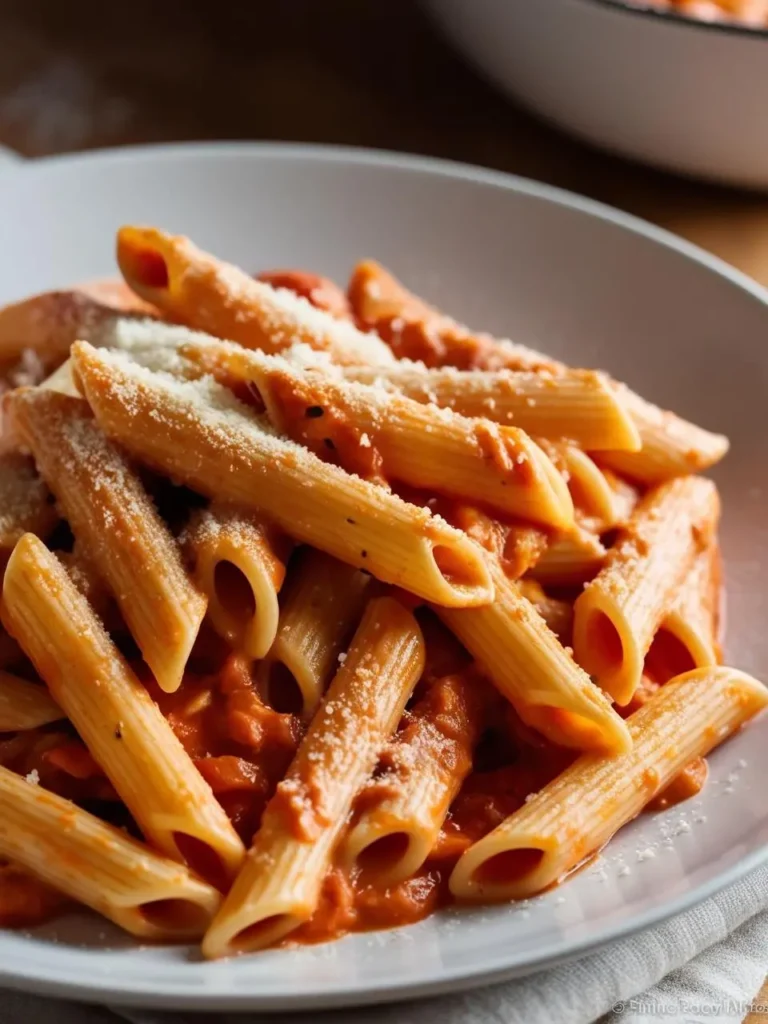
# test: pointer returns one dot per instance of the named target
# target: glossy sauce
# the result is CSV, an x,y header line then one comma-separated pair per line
x,y
243,748
308,415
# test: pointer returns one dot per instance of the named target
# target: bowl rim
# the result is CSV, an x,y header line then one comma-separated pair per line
x,y
637,8
23,168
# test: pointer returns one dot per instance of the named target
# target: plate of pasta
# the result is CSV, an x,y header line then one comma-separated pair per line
x,y
363,609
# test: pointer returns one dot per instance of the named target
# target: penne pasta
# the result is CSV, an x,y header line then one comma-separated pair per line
x,y
113,517
527,665
209,295
557,614
239,564
618,613
670,446
98,865
577,406
85,576
687,638
322,602
518,547
381,434
416,331
25,705
49,323
578,812
369,601
571,558
625,499
113,713
199,434
279,885
26,504
590,491
402,809
152,343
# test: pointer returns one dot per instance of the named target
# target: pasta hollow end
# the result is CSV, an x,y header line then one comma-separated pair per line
x,y
257,934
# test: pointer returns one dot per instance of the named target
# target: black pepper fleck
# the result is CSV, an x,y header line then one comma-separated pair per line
x,y
363,554
351,521
314,411
329,443
118,733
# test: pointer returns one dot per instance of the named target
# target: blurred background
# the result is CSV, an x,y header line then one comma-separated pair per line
x,y
380,74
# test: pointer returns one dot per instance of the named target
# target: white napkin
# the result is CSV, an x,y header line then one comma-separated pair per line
x,y
706,964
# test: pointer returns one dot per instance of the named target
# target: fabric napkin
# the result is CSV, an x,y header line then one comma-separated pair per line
x,y
704,965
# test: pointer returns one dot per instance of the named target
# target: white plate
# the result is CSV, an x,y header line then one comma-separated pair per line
x,y
557,272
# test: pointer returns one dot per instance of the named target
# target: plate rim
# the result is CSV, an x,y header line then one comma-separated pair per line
x,y
109,988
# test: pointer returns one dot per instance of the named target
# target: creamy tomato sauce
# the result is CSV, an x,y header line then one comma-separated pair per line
x,y
243,747
307,413
320,291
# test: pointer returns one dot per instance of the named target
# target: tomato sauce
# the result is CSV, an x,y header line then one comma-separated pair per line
x,y
26,901
687,783
320,291
307,413
243,747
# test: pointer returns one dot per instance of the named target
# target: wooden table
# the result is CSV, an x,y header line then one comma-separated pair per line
x,y
87,74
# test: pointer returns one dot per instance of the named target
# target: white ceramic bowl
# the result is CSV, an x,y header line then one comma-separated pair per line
x,y
682,94
563,274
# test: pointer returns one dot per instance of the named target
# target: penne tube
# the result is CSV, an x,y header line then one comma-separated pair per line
x,y
279,885
570,559
25,705
197,432
618,613
49,323
517,547
322,602
85,576
527,665
382,434
402,809
26,504
686,638
152,343
209,295
118,721
114,518
625,499
416,331
590,491
578,406
557,614
239,564
579,811
670,446
98,865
